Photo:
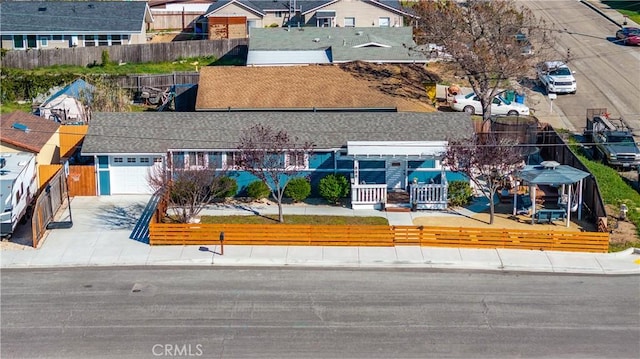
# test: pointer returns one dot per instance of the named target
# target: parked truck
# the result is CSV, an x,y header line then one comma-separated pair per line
x,y
612,139
18,187
556,77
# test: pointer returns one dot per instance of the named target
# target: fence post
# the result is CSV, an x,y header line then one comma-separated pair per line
x,y
222,243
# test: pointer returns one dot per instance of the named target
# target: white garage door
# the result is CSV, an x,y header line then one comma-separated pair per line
x,y
128,174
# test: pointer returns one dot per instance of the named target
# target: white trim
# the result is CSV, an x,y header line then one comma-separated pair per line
x,y
396,148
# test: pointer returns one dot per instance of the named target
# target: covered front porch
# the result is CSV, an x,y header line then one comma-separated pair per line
x,y
384,169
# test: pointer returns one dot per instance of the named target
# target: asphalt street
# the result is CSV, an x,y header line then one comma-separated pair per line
x,y
606,71
313,313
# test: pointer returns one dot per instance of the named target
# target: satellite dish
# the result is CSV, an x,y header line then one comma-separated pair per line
x,y
549,164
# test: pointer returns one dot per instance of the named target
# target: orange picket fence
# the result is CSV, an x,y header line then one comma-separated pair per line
x,y
375,236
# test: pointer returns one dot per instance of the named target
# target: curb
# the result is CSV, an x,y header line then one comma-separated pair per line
x,y
596,9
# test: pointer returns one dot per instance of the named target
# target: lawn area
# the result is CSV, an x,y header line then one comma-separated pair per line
x,y
296,219
629,8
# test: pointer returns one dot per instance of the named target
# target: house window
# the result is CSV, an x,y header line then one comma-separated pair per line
x,y
349,22
57,37
178,160
44,41
144,160
278,14
117,160
213,160
232,159
32,43
116,40
196,159
18,42
384,22
103,40
296,159
131,160
157,160
89,40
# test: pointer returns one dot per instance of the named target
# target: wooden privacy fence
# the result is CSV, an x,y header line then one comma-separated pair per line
x,y
46,205
375,236
136,53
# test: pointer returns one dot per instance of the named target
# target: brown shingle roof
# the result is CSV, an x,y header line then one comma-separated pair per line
x,y
40,130
287,87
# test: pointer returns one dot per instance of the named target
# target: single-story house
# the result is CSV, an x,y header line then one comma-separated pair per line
x,y
379,151
303,46
292,88
24,132
237,18
63,24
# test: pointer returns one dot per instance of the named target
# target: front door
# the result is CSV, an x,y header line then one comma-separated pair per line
x,y
395,176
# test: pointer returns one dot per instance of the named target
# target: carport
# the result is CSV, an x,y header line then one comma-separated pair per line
x,y
553,174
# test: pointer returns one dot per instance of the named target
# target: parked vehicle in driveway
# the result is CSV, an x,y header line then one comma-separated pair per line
x,y
612,140
628,35
556,77
470,103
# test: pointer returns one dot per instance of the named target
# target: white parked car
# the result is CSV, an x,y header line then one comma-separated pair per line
x,y
470,103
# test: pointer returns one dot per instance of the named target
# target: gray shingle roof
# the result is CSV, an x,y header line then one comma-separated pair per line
x,y
72,17
342,42
156,132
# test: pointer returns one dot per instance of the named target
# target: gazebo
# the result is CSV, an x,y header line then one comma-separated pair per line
x,y
554,174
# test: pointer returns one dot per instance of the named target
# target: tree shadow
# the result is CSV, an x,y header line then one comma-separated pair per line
x,y
119,217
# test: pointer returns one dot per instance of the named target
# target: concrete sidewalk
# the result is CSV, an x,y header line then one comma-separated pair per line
x,y
102,225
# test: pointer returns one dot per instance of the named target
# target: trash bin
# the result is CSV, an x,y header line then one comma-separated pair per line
x,y
509,95
520,98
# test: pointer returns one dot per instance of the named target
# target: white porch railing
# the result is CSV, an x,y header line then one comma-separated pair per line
x,y
429,196
368,196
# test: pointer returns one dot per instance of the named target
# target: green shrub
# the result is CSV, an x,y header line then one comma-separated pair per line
x,y
334,187
258,190
460,193
227,186
106,60
298,189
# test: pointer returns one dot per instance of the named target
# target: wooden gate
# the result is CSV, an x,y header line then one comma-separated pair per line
x,y
46,205
82,181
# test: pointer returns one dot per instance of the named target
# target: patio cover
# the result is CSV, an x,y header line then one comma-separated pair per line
x,y
418,149
554,174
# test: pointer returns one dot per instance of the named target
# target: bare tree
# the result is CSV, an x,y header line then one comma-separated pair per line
x,y
108,96
274,157
189,191
486,160
480,37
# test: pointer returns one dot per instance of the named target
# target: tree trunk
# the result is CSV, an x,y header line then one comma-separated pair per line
x,y
491,207
280,215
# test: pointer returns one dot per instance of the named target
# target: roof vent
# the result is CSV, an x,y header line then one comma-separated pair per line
x,y
549,164
20,127
42,8
359,33
4,172
90,6
317,39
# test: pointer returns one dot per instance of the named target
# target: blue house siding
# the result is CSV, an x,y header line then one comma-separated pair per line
x,y
365,164
422,164
322,160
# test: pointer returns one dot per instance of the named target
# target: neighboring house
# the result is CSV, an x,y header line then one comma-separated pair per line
x,y
63,24
69,105
292,88
178,14
379,151
303,46
23,132
228,19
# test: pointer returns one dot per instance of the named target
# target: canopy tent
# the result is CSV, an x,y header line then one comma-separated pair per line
x,y
554,174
